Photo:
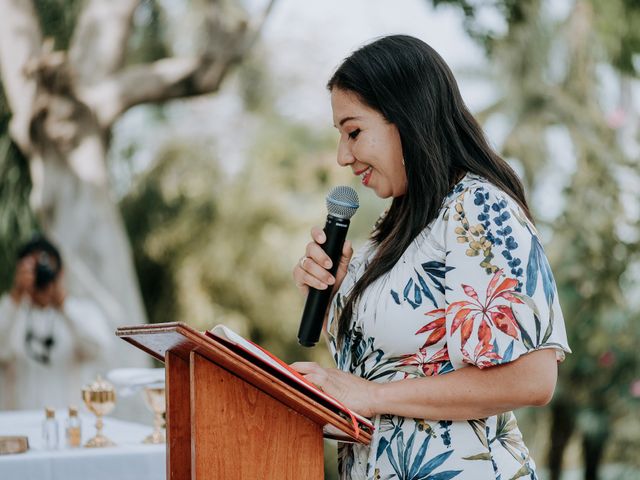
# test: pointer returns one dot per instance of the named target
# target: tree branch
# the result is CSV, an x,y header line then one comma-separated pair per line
x,y
256,27
162,80
100,39
172,78
20,42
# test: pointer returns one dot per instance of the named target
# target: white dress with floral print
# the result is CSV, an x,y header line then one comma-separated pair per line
x,y
474,288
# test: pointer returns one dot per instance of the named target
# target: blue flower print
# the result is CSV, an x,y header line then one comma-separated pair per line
x,y
446,435
481,198
503,236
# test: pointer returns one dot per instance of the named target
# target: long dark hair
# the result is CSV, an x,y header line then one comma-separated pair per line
x,y
413,88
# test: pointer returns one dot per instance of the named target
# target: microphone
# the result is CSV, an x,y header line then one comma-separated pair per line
x,y
342,203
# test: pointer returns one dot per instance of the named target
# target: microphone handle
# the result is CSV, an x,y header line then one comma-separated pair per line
x,y
318,300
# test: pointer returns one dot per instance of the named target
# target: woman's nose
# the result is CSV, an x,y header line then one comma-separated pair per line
x,y
345,157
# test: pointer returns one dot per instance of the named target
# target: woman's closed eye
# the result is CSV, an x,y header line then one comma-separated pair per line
x,y
353,134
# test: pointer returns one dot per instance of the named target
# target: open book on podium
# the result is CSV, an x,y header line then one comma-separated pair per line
x,y
246,360
268,362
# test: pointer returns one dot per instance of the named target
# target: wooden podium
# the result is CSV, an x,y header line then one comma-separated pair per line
x,y
228,418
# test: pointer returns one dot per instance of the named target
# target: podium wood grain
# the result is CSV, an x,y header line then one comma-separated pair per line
x,y
254,435
177,371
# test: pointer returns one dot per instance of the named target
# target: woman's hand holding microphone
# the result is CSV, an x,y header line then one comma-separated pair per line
x,y
312,270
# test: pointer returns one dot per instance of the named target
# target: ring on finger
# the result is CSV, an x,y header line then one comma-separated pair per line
x,y
302,260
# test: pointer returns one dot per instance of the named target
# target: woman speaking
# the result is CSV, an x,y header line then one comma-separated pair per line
x,y
448,318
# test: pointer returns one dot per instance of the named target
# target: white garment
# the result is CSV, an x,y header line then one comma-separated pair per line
x,y
81,338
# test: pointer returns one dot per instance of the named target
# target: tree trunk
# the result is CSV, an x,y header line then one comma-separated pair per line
x,y
63,107
592,450
594,443
563,421
71,199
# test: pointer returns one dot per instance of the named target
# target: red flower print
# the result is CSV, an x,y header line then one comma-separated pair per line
x,y
466,312
436,327
428,366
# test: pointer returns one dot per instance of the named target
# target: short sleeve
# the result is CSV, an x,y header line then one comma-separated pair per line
x,y
501,298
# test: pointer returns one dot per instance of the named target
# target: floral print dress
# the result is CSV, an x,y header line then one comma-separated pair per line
x,y
474,288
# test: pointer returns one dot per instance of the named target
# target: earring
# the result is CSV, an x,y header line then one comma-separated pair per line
x,y
403,161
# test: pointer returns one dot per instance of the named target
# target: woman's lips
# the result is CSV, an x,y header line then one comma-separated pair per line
x,y
366,176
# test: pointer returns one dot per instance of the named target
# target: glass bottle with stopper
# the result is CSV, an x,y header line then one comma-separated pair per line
x,y
73,428
50,429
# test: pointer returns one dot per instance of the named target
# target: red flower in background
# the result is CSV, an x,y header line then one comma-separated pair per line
x,y
634,389
607,359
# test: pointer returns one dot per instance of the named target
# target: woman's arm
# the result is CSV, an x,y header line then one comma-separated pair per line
x,y
464,394
470,392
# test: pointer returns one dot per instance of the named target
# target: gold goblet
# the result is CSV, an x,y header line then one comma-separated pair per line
x,y
100,398
155,399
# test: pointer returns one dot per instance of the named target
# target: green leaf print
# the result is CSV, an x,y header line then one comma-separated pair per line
x,y
419,457
549,330
522,472
479,428
479,456
411,467
509,436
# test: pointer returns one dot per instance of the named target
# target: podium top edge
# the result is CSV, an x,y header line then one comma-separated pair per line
x,y
126,330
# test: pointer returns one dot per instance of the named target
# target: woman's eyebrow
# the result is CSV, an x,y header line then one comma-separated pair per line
x,y
346,119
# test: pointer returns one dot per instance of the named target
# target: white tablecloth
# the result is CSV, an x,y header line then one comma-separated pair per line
x,y
128,460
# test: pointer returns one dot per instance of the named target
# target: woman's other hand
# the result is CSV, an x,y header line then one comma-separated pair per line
x,y
352,391
312,270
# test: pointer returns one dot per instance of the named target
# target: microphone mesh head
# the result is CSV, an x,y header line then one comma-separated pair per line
x,y
342,202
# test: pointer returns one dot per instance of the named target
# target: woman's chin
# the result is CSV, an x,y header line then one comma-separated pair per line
x,y
382,193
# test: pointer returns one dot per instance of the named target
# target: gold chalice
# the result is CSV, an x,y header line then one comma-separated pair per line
x,y
155,399
100,398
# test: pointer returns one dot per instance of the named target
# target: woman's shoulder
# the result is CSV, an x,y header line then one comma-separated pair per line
x,y
478,200
433,236
477,195
476,188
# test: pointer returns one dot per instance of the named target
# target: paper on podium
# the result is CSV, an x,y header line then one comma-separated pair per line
x,y
241,345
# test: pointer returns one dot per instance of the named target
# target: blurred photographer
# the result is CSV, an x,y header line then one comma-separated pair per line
x,y
49,341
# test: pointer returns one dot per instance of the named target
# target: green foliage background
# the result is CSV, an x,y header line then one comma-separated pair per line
x,y
593,243
214,246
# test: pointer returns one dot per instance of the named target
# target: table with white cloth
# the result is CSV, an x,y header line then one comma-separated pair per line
x,y
128,460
